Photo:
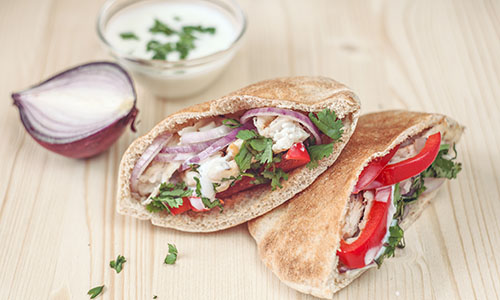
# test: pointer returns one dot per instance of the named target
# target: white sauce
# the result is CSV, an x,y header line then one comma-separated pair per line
x,y
139,18
376,251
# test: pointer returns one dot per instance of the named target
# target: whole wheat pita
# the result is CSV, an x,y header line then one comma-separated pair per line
x,y
306,94
299,240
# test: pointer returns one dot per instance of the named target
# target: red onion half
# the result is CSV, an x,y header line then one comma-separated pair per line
x,y
80,112
273,111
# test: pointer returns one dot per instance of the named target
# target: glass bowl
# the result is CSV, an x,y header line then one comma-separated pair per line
x,y
175,79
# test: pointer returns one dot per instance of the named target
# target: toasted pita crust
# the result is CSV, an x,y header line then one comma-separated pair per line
x,y
298,241
299,93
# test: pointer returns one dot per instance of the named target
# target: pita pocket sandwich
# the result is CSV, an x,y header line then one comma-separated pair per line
x,y
221,163
353,216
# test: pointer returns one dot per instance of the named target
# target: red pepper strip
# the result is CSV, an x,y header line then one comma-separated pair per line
x,y
410,167
353,255
184,207
372,170
295,157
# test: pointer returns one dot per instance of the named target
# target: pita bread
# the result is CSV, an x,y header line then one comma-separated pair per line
x,y
307,94
299,240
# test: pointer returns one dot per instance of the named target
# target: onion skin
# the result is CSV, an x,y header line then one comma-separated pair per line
x,y
92,144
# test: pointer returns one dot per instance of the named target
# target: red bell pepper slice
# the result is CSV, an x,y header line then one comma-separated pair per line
x,y
410,167
295,157
372,170
353,255
179,210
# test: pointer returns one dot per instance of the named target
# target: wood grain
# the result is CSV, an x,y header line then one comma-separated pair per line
x,y
58,226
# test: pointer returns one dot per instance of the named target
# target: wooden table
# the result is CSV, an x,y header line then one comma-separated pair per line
x,y
58,225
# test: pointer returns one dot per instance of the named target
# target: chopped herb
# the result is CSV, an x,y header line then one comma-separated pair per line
x,y
118,263
317,153
396,239
170,195
154,297
94,292
211,204
160,50
275,177
416,189
246,134
160,27
215,185
256,154
191,29
194,167
206,202
233,179
129,36
172,254
182,46
177,18
231,123
185,44
327,121
244,158
444,167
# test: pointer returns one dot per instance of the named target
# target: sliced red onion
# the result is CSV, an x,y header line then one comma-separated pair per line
x,y
432,184
197,204
273,111
147,156
216,146
187,148
79,112
168,157
203,136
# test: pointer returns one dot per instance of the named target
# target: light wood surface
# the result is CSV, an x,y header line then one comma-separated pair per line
x,y
58,225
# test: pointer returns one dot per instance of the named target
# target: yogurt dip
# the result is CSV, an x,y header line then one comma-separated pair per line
x,y
174,48
139,18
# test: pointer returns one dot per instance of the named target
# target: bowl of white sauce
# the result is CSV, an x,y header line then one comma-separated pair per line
x,y
174,48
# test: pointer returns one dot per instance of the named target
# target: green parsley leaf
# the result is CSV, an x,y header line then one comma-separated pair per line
x,y
246,134
206,202
172,254
266,156
326,121
170,195
194,167
317,153
231,123
94,292
118,263
155,206
444,167
396,239
198,186
160,50
199,28
160,27
236,178
275,177
129,36
185,44
244,157
211,204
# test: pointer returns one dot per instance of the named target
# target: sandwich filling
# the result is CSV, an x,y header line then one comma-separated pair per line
x,y
215,158
382,198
